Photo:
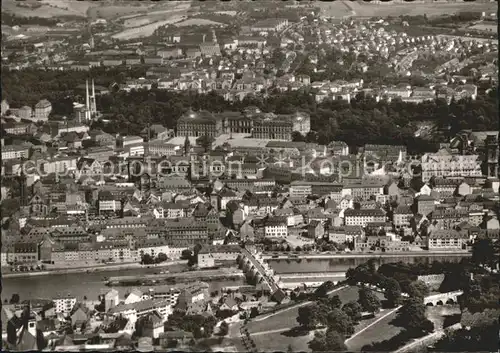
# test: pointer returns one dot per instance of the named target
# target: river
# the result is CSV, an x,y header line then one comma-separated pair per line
x,y
282,266
83,284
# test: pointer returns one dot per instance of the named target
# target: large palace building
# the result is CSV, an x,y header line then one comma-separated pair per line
x,y
259,125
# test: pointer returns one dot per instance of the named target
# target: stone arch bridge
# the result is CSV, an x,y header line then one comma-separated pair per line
x,y
443,298
256,268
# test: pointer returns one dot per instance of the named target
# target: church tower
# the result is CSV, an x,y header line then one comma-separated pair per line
x,y
93,106
88,115
491,156
187,146
22,185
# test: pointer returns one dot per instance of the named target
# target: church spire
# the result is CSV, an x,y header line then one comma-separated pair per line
x,y
187,146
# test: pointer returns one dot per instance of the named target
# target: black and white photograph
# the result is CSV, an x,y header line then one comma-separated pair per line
x,y
250,176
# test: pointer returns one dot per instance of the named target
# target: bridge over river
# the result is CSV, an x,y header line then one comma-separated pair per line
x,y
309,262
436,255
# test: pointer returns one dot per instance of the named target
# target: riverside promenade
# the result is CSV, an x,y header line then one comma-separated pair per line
x,y
89,269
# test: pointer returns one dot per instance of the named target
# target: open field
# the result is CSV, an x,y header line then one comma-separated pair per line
x,y
337,9
278,331
145,31
47,8
113,11
364,9
145,25
279,341
76,8
341,8
166,11
198,22
107,9
381,331
490,27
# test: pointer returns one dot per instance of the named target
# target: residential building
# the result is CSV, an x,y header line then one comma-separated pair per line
x,y
424,204
449,239
210,255
64,305
275,227
135,310
444,163
42,110
315,229
15,152
362,217
341,235
269,25
365,191
402,216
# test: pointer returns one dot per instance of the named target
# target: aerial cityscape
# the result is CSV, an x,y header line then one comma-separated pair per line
x,y
246,176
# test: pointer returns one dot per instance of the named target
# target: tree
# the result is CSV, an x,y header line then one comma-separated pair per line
x,y
41,343
289,349
323,289
14,299
197,249
297,137
186,254
372,266
224,328
334,302
161,257
412,317
351,276
353,310
309,316
418,289
205,142
483,338
339,321
254,312
392,292
331,341
483,252
147,259
311,136
368,300
193,260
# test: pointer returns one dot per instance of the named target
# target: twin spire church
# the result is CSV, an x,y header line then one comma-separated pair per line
x,y
87,112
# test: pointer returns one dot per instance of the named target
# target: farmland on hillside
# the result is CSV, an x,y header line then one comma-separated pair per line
x,y
364,9
46,8
109,12
198,22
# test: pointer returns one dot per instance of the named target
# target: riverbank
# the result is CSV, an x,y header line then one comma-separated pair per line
x,y
179,277
91,269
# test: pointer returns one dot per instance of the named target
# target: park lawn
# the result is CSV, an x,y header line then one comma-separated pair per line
x,y
364,323
279,326
288,318
233,344
273,342
381,331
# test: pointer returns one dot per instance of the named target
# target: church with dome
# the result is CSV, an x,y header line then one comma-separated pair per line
x,y
251,121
